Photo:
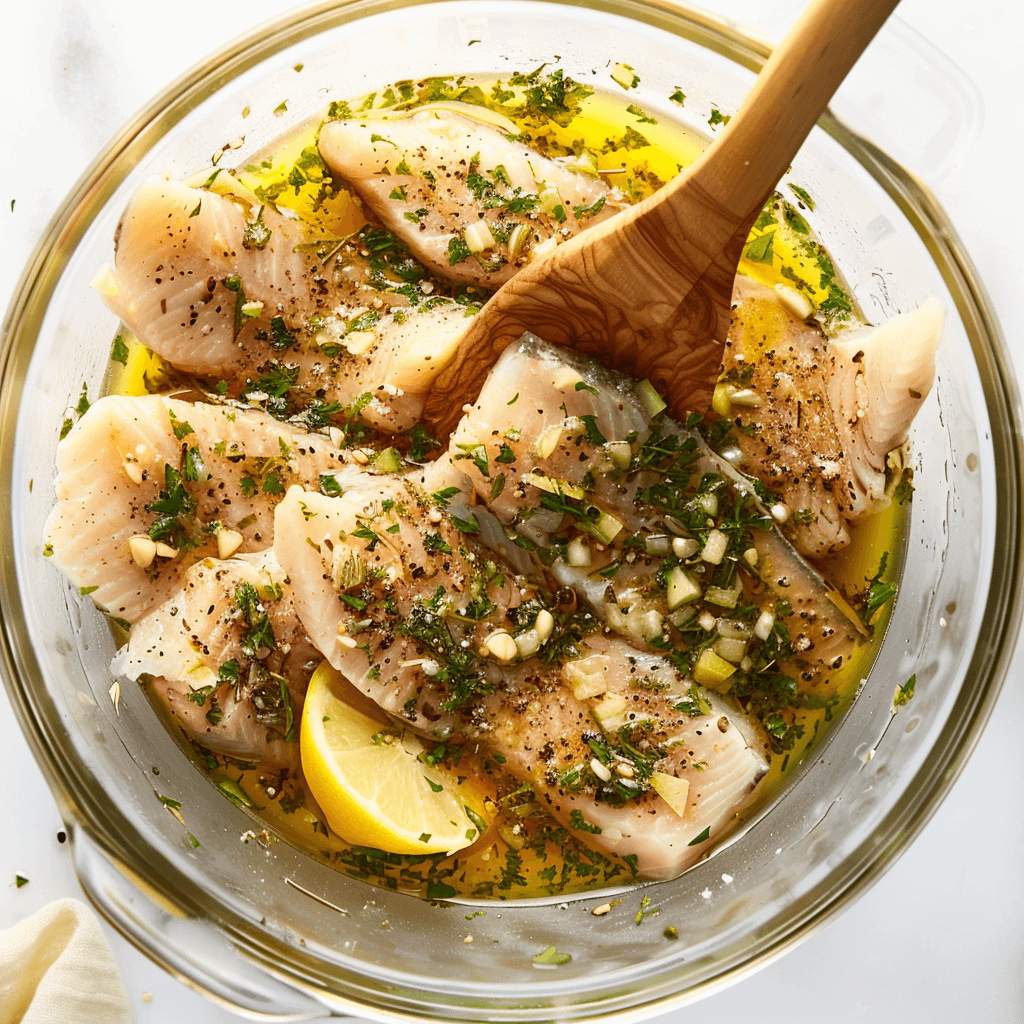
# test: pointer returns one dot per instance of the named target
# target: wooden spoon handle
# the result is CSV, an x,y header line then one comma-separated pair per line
x,y
756,148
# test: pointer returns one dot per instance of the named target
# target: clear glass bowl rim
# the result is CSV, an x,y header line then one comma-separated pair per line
x,y
100,823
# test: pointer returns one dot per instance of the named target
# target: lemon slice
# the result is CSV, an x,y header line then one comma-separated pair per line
x,y
370,783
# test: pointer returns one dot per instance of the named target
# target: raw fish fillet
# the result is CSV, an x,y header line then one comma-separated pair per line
x,y
829,412
522,708
176,247
441,180
126,453
395,546
190,289
583,467
231,694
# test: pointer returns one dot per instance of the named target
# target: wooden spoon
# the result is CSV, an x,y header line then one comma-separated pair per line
x,y
648,291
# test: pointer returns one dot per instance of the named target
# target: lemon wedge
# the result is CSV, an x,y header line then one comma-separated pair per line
x,y
372,786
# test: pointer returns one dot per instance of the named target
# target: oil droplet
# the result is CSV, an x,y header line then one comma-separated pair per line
x,y
972,462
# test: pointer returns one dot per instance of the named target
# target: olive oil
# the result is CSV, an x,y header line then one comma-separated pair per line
x,y
524,853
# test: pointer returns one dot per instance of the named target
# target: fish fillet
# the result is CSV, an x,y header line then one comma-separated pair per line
x,y
229,658
626,504
326,321
818,417
419,641
471,204
180,472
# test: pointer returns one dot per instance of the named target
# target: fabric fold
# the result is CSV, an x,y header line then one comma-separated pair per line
x,y
56,967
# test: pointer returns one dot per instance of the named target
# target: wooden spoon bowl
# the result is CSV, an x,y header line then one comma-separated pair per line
x,y
649,291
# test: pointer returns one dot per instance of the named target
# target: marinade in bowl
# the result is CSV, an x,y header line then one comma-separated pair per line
x,y
720,926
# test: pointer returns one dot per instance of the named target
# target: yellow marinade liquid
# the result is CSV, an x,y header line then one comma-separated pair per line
x,y
510,860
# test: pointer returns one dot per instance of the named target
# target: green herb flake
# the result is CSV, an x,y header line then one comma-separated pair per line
x,y
119,351
878,593
181,428
580,824
678,97
86,591
759,249
260,632
443,496
646,910
551,958
281,108
594,436
905,692
802,195
702,838
641,115
439,890
476,819
794,220
234,283
229,672
457,251
234,792
470,525
20,880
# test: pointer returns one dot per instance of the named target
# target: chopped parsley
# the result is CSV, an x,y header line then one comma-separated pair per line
x,y
259,634
119,351
905,692
551,958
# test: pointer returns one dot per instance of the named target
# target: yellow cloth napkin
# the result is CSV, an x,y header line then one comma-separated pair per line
x,y
57,968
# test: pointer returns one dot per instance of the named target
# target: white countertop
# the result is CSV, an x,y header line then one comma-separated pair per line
x,y
941,936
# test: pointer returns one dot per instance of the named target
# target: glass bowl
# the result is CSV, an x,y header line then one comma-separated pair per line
x,y
274,932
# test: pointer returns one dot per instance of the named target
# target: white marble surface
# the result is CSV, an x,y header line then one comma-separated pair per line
x,y
941,937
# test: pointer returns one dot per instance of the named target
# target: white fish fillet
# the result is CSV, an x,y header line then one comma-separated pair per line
x,y
383,530
175,248
562,433
831,410
434,174
114,462
182,279
522,710
197,637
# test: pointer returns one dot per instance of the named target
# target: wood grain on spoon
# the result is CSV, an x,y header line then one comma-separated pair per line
x,y
648,292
